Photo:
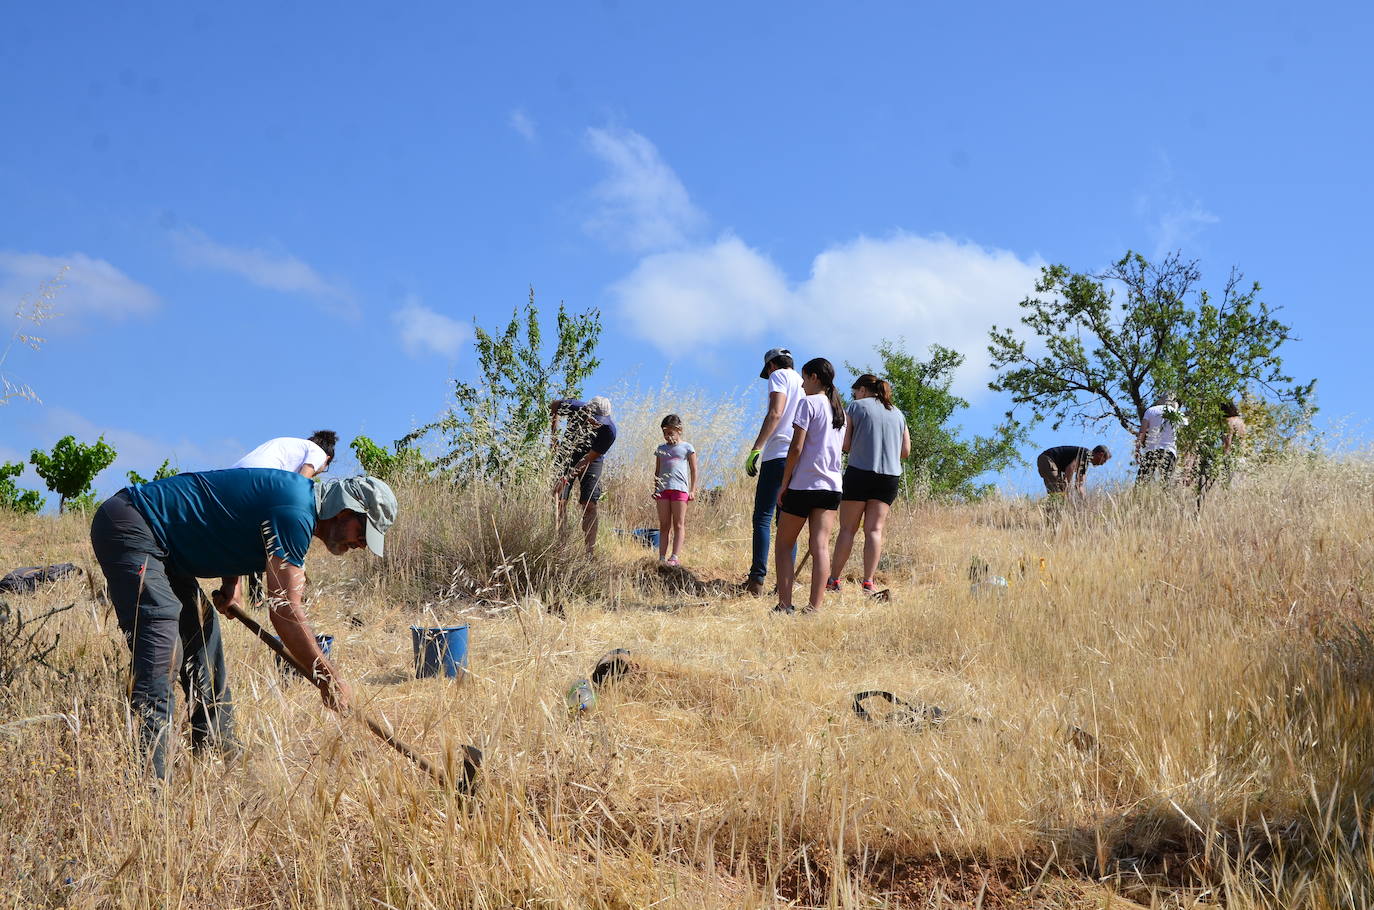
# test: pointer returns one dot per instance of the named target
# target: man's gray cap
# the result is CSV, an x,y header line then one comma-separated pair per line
x,y
769,357
368,496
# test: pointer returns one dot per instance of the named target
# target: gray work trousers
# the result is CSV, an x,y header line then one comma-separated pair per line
x,y
168,632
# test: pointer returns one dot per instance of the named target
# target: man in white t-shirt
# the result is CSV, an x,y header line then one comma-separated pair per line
x,y
307,457
768,455
1156,445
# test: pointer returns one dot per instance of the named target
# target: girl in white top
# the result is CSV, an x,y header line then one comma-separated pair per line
x,y
309,457
675,484
810,482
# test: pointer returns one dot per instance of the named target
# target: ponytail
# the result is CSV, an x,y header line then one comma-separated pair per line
x,y
825,372
880,389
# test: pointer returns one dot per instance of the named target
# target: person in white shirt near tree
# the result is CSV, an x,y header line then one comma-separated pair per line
x,y
1156,444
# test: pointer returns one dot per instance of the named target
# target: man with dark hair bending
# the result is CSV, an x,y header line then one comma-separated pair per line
x,y
307,457
1063,468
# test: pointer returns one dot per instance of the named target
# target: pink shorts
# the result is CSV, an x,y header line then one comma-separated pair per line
x,y
672,495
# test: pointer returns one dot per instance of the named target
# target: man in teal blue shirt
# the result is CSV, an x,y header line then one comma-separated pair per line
x,y
153,542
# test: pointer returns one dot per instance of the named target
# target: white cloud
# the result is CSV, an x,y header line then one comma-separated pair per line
x,y
642,205
424,331
703,294
923,289
274,271
522,124
1178,226
690,296
1173,220
90,286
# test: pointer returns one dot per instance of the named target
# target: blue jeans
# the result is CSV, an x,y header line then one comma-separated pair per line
x,y
765,505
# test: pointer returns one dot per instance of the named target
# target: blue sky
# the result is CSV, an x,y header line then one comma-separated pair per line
x,y
281,217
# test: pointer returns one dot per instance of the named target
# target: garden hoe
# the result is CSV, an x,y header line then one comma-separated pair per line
x,y
472,756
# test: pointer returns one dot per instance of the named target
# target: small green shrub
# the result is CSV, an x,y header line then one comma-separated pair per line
x,y
71,466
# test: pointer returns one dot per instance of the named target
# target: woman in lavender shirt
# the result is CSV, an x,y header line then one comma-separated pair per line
x,y
810,482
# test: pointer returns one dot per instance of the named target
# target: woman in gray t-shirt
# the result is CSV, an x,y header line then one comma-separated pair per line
x,y
877,440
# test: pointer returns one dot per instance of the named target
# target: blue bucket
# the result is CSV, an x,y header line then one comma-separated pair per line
x,y
441,649
647,536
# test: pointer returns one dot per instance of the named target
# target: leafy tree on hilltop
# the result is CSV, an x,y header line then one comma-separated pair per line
x,y
942,464
1103,346
71,466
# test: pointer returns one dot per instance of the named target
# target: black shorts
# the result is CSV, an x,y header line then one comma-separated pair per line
x,y
861,486
589,485
801,502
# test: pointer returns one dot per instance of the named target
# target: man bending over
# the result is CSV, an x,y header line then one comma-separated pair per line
x,y
153,542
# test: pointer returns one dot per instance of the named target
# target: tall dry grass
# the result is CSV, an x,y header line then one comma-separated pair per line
x,y
1219,660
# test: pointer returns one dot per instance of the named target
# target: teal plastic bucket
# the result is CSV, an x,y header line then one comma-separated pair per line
x,y
440,650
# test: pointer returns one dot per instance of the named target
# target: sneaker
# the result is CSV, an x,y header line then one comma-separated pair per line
x,y
832,585
869,587
788,609
672,561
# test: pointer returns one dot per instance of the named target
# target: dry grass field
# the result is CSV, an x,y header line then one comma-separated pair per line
x,y
1165,708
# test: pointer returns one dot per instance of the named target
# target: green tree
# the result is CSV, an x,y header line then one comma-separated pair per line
x,y
1103,346
1276,429
71,466
161,473
494,427
12,497
379,462
942,464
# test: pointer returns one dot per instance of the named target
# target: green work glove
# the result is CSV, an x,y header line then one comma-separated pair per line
x,y
751,463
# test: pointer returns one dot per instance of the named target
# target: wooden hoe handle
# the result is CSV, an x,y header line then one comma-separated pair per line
x,y
472,756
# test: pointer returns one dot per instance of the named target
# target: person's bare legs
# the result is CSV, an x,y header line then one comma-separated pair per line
x,y
784,563
875,516
665,526
679,513
822,520
851,513
590,523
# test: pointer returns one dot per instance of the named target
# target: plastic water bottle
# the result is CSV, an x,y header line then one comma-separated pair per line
x,y
580,697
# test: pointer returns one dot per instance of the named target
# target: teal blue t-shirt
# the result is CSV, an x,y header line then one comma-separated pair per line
x,y
216,523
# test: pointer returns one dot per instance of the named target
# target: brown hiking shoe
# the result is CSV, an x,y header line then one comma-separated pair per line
x,y
753,587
